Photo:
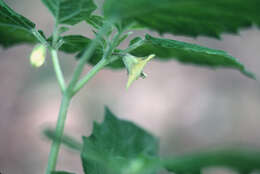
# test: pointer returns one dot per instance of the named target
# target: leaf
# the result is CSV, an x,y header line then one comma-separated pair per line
x,y
76,44
14,28
70,12
187,17
95,21
166,49
242,160
118,146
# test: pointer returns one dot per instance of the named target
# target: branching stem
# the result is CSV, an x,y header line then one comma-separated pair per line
x,y
75,84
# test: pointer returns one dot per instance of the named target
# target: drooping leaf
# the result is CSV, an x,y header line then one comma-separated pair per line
x,y
14,28
166,49
242,160
119,147
187,17
70,12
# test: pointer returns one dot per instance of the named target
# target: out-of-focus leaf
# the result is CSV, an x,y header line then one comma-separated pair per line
x,y
119,147
95,21
166,49
244,161
187,17
14,28
70,12
68,141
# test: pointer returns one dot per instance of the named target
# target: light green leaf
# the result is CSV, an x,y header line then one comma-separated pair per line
x,y
70,11
119,147
166,49
14,28
187,17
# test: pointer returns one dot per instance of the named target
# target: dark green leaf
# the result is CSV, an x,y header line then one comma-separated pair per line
x,y
240,159
69,11
95,21
76,44
166,49
14,28
61,172
187,17
118,146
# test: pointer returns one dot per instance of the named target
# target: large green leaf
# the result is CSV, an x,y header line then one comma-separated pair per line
x,y
118,146
70,11
187,17
166,49
14,28
243,160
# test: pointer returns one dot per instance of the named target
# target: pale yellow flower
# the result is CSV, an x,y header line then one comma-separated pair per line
x,y
135,66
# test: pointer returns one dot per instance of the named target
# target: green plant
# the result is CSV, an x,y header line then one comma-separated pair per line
x,y
118,146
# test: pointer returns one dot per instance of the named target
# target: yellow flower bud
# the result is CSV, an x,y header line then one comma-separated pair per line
x,y
38,55
135,66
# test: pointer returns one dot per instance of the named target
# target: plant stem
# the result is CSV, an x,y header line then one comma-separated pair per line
x,y
90,74
57,69
73,87
86,55
59,132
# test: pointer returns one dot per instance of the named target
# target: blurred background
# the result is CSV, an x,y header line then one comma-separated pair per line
x,y
186,107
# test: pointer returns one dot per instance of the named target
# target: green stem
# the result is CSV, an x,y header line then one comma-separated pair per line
x,y
86,55
102,63
57,69
90,74
73,87
59,132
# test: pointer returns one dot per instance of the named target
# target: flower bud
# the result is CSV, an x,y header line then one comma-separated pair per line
x,y
38,55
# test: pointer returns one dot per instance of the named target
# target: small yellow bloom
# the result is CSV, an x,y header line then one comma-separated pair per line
x,y
38,55
135,66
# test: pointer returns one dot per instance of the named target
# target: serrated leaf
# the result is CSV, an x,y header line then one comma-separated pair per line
x,y
119,146
187,17
70,12
14,28
187,53
242,160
